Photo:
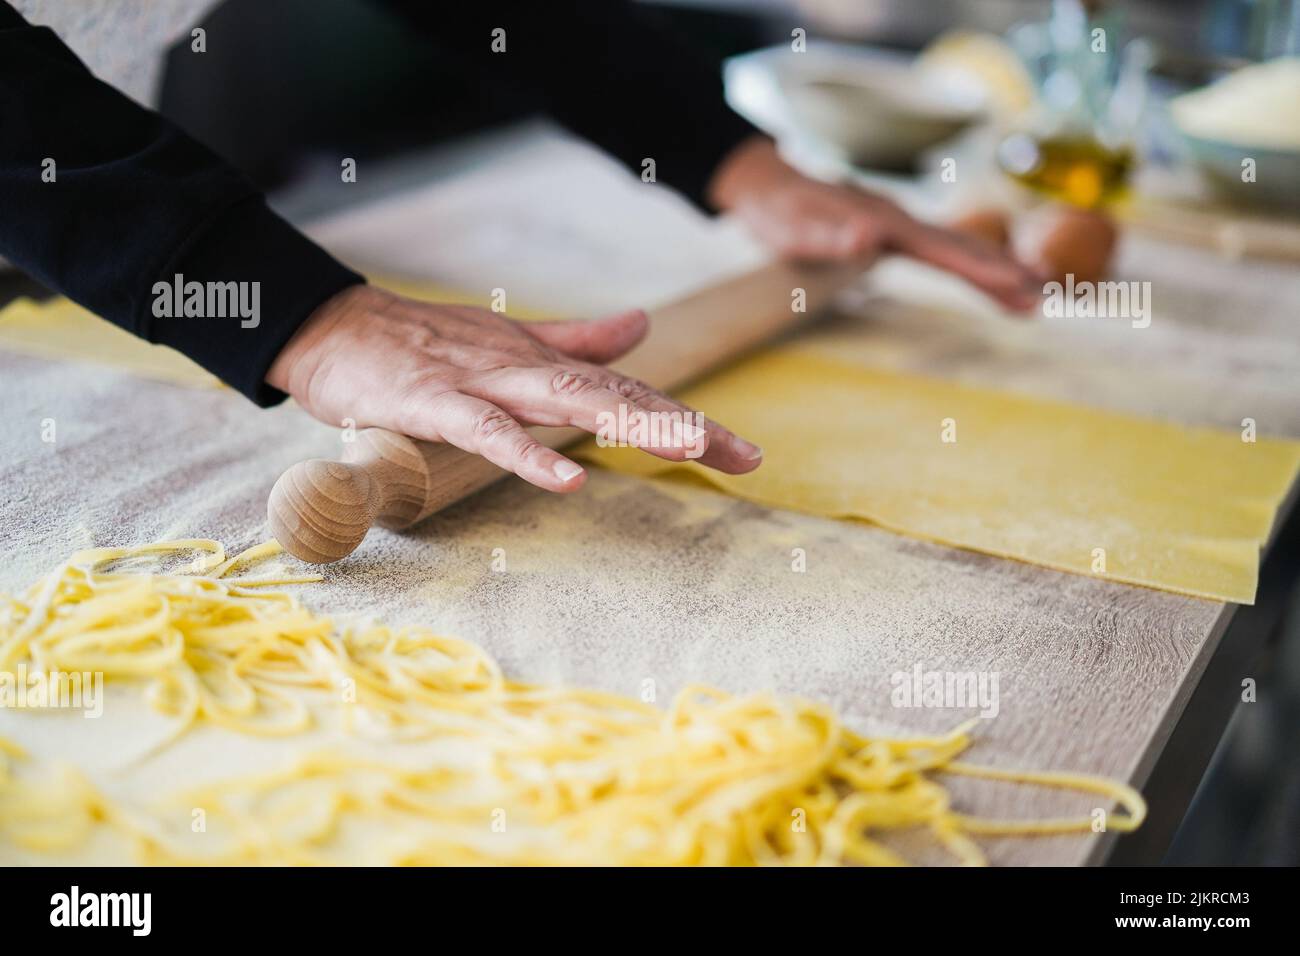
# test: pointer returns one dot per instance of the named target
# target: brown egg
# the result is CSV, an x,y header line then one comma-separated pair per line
x,y
1066,240
989,225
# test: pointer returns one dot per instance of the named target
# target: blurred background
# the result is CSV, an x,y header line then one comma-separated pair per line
x,y
308,78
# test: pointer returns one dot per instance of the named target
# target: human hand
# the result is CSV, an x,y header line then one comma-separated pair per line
x,y
801,218
470,377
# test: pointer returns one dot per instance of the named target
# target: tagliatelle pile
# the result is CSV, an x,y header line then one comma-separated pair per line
x,y
518,774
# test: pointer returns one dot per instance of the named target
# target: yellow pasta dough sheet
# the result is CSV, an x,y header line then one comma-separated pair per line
x,y
60,329
1066,487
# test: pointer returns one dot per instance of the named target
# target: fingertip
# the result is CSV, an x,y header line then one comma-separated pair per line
x,y
1019,304
598,340
735,456
629,328
631,321
1026,297
569,474
553,472
731,465
745,465
633,316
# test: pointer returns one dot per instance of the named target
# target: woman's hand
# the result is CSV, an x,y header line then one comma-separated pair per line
x,y
801,218
472,378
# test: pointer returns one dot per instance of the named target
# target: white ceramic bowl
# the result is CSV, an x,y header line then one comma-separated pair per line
x,y
1250,118
1276,182
874,109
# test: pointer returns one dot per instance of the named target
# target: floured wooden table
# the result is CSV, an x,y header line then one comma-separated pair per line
x,y
672,583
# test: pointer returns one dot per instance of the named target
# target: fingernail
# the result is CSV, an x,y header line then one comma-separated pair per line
x,y
566,470
746,450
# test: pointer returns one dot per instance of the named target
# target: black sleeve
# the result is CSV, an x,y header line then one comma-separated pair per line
x,y
612,71
134,201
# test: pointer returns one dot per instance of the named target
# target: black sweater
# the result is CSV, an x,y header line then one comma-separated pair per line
x,y
134,201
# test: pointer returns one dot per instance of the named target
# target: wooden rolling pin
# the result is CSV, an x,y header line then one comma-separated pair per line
x,y
321,510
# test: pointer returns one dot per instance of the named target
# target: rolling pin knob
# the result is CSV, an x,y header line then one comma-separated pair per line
x,y
320,510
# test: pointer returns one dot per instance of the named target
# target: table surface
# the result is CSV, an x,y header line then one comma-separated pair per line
x,y
671,582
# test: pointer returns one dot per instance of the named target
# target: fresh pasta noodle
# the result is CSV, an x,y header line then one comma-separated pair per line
x,y
498,772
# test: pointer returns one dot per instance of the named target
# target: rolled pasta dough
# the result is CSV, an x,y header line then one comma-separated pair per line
x,y
1134,500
